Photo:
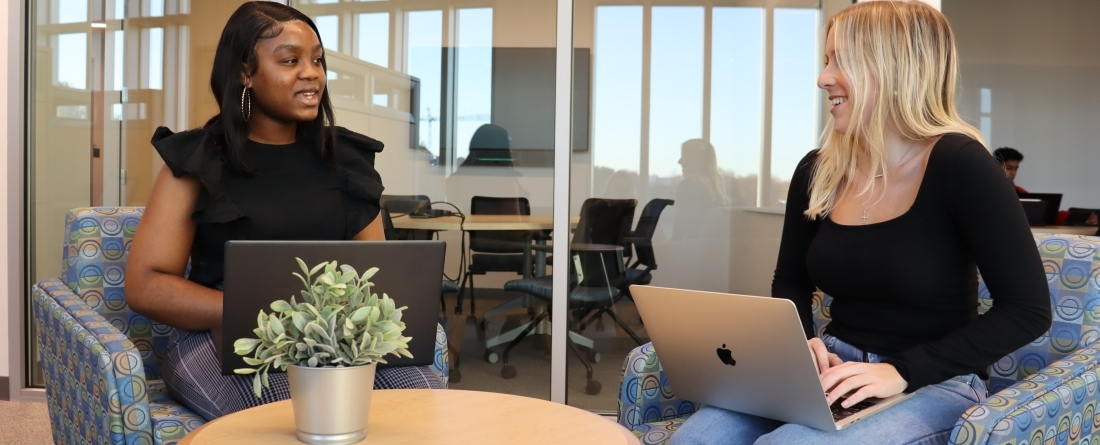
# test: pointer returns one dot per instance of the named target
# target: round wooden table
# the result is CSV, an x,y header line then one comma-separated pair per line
x,y
431,416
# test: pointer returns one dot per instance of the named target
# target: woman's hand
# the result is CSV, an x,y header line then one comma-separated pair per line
x,y
822,357
879,380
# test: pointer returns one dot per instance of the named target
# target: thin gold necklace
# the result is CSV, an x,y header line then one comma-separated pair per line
x,y
872,178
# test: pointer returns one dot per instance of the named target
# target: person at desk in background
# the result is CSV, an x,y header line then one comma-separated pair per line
x,y
1010,159
890,217
700,190
269,166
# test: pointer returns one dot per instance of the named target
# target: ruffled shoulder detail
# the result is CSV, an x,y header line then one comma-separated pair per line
x,y
360,182
194,153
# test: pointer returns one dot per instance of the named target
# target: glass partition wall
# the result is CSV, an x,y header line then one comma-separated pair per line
x,y
462,94
707,104
103,75
699,112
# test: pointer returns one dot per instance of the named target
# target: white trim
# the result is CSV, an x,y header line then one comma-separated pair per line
x,y
563,109
16,290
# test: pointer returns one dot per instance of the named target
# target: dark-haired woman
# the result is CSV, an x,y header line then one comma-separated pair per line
x,y
269,166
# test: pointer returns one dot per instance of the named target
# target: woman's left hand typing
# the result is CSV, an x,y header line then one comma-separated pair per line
x,y
879,380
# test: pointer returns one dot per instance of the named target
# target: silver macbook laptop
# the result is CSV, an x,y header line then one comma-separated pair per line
x,y
742,353
259,272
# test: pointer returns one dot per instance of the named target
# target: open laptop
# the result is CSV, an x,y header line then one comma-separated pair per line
x,y
742,353
1035,210
259,272
1053,203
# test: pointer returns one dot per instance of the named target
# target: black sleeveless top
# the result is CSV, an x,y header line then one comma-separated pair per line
x,y
293,194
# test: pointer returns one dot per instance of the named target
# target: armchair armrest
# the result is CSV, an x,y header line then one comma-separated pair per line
x,y
1047,407
441,361
95,380
644,393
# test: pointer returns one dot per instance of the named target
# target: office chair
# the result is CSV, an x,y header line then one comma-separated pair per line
x,y
494,250
595,269
641,239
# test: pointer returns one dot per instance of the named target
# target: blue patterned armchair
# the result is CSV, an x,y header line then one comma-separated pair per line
x,y
1044,393
99,358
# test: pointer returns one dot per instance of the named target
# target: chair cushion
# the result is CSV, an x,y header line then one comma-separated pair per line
x,y
542,287
636,276
171,420
658,433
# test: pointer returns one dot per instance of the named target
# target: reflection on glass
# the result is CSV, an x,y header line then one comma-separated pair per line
x,y
737,52
155,59
474,78
794,95
71,61
374,38
71,11
676,88
617,103
425,62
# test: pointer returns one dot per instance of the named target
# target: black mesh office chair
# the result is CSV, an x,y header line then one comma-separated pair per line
x,y
641,242
595,269
494,250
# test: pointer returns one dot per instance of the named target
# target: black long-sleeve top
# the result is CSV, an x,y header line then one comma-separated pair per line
x,y
907,288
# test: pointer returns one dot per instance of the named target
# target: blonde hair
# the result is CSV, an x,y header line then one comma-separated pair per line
x,y
903,54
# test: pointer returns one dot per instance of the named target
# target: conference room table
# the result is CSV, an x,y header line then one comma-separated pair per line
x,y
530,223
431,416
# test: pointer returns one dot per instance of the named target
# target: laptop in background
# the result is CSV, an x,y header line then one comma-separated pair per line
x,y
1035,210
742,353
1054,202
259,272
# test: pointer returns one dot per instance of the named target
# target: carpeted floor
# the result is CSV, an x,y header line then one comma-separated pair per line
x,y
24,423
531,357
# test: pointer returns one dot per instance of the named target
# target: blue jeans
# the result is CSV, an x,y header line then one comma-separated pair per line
x,y
925,418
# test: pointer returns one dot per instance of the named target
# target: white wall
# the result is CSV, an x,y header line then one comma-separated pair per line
x,y
1040,63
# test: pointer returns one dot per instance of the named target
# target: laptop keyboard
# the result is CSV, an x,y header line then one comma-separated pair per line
x,y
840,412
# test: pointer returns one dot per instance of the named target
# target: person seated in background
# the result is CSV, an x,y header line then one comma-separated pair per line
x,y
901,266
269,166
700,190
1010,159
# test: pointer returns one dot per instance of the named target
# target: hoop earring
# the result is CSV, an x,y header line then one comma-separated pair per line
x,y
246,104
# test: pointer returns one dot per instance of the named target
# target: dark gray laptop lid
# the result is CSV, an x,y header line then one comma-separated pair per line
x,y
259,272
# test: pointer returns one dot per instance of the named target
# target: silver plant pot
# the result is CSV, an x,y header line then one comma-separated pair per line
x,y
331,405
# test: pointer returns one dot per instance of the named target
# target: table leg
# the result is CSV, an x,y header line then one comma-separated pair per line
x,y
540,259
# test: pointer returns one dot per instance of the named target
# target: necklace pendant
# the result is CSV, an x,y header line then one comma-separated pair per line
x,y
864,217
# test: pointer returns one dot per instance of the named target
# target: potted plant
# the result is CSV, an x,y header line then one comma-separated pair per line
x,y
329,343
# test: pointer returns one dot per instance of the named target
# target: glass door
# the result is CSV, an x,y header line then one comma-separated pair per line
x,y
104,75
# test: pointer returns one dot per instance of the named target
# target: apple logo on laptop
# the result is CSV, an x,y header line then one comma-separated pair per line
x,y
726,356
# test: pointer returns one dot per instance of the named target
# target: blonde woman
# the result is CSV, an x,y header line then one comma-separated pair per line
x,y
893,216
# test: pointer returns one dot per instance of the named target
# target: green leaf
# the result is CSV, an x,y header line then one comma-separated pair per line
x,y
299,320
368,274
244,371
360,314
280,306
256,386
317,268
253,361
275,326
245,346
312,362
